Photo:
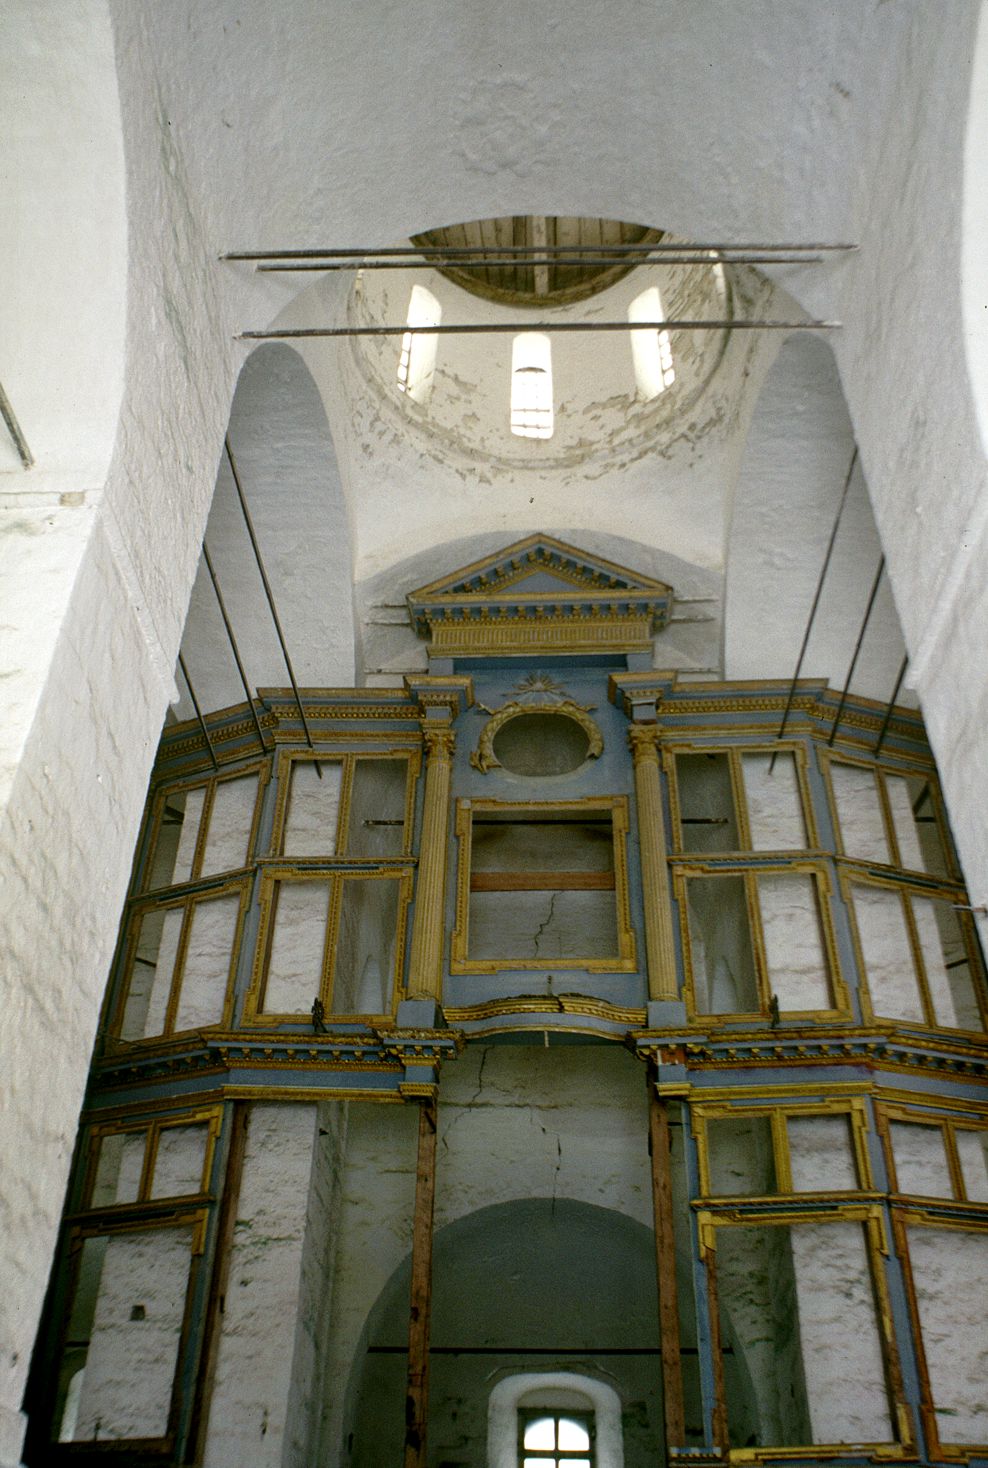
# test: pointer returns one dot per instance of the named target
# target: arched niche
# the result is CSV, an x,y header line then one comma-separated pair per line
x,y
792,475
290,478
538,1284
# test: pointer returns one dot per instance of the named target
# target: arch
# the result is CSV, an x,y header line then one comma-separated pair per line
x,y
290,477
793,469
565,1284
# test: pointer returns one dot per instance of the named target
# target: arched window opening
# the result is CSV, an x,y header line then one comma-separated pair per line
x,y
651,351
559,1439
554,1419
417,360
531,385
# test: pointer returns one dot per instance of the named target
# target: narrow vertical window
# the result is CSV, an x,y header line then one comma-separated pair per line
x,y
417,361
531,385
651,351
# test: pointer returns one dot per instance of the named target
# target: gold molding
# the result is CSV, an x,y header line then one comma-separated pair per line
x,y
624,961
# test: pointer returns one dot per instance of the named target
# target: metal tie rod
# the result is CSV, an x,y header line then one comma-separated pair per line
x,y
233,643
248,521
816,603
537,252
890,706
502,262
857,650
513,328
195,705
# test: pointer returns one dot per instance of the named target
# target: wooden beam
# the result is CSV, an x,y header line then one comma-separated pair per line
x,y
420,1304
541,881
665,1259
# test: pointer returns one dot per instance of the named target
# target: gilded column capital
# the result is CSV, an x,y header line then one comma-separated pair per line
x,y
440,741
643,741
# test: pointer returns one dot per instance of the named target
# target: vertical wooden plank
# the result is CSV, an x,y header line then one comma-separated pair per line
x,y
217,1291
420,1303
665,1259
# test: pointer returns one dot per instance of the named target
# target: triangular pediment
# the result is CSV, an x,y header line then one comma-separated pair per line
x,y
538,557
540,592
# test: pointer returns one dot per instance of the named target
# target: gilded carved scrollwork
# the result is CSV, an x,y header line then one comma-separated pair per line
x,y
483,757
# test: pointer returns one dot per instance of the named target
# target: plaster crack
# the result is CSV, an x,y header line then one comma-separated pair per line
x,y
550,915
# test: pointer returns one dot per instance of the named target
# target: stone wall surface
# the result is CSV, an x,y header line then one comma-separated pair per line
x,y
249,1418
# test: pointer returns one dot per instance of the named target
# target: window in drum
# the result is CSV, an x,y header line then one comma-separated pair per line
x,y
737,800
179,963
890,817
651,350
202,830
417,356
919,955
758,934
531,385
334,936
543,885
779,1289
548,1439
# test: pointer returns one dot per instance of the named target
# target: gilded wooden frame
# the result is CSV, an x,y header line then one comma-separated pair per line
x,y
778,1112
870,1214
152,1126
929,1217
921,1115
185,901
334,876
207,783
881,772
735,757
288,758
625,961
729,865
860,875
118,1224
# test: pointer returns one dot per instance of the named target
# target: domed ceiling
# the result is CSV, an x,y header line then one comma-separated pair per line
x,y
601,410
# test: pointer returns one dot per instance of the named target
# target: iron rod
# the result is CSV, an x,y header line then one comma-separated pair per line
x,y
816,603
248,521
195,705
891,705
14,429
479,328
233,643
857,648
532,251
451,262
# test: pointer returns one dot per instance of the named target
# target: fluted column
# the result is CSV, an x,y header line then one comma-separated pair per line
x,y
660,950
425,975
